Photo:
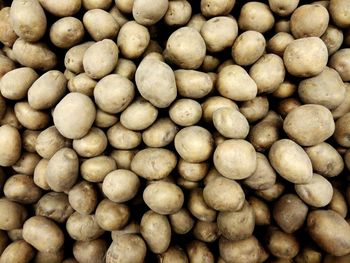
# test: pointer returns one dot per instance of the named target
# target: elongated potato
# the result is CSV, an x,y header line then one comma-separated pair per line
x,y
193,84
67,32
7,34
65,8
10,145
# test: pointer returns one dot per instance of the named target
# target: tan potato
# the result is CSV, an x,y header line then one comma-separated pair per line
x,y
82,83
283,8
90,251
69,74
342,131
237,225
67,32
29,139
96,4
65,8
73,59
62,170
7,34
256,16
83,227
149,12
92,144
210,63
198,207
15,234
10,254
156,231
178,13
325,159
181,221
192,52
131,228
39,175
271,193
54,206
21,188
210,8
125,6
192,171
282,245
163,198
161,133
10,118
49,141
298,54
29,117
198,251
104,119
173,254
95,169
309,255
122,138
287,105
118,15
339,61
160,91
6,65
52,257
338,10
74,115
333,38
185,112
279,42
10,145
100,24
262,214
125,68
26,164
43,234
231,79
206,231
211,104
14,217
123,158
186,184
344,107
83,197
120,185
129,247
330,231
235,159
196,22
282,25
111,216
338,203
342,259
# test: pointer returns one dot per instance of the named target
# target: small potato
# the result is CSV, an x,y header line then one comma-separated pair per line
x,y
263,135
128,248
283,8
338,203
235,159
262,214
111,216
7,34
38,229
181,221
96,4
92,144
47,90
338,10
161,133
83,227
15,234
125,6
123,158
82,83
73,59
156,231
6,65
330,231
248,48
163,198
154,163
74,115
196,21
90,251
282,245
317,193
210,8
31,118
83,197
29,139
219,33
67,32
271,193
212,104
325,159
185,112
193,84
131,228
62,170
333,38
100,24
210,63
10,254
256,16
155,81
49,141
198,251
291,161
298,54
230,82
192,171
192,52
10,145
198,207
339,61
95,169
342,131
14,217
34,55
54,206
149,12
125,68
10,118
237,225
118,15
178,13
28,19
122,138
309,255
287,105
14,85
268,73
100,59
65,8
39,175
120,185
224,194
52,257
279,42
173,254
139,115
290,213
206,231
104,119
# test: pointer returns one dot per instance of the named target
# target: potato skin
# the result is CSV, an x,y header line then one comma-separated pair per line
x,y
210,8
338,10
10,145
83,197
147,12
14,217
256,16
100,24
342,131
111,216
83,227
90,251
193,83
73,59
10,254
7,35
161,133
65,8
198,251
67,32
95,169
283,8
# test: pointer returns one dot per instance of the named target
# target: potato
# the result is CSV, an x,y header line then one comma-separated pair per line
x,y
230,81
29,139
131,228
52,257
163,198
338,10
192,171
31,118
122,138
300,51
282,245
287,105
7,35
34,55
62,170
10,118
173,254
111,216
256,16
28,19
125,6
123,158
317,193
139,115
155,81
15,234
343,259
224,194
6,65
38,229
92,144
206,231
161,133
14,217
338,203
118,15
320,124
39,175
198,251
333,38
198,207
262,215
74,115
325,159
125,68
192,52
282,25
73,59
90,251
339,62
181,221
185,112
283,8
344,107
210,8
104,119
10,145
156,231
279,42
211,104
147,12
210,63
178,13
67,32
26,164
342,131
95,169
65,8
82,83
54,206
193,84
330,231
235,159
268,73
83,227
196,22
49,141
127,248
241,251
120,185
10,254
83,197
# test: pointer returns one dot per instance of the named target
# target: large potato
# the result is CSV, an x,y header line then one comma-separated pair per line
x,y
19,251
211,104
149,12
339,11
67,32
14,217
10,145
65,8
7,34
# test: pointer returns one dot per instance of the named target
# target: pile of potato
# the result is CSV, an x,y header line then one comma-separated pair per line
x,y
174,131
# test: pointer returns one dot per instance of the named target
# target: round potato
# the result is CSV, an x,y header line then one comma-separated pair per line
x,y
104,119
149,12
192,171
49,141
31,118
333,38
256,16
14,217
65,8
7,34
338,10
173,254
73,59
206,231
82,83
10,254
210,8
122,138
271,193
111,216
67,32
123,158
178,13
125,6
27,163
261,210
339,61
92,144
10,145
196,21
185,112
161,133
282,245
90,251
83,197
198,251
283,8
199,208
95,169
211,104
83,227
181,221
279,42
100,24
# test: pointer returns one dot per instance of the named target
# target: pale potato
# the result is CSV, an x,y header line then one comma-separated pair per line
x,y
10,145
173,254
104,119
125,6
206,231
279,42
272,193
196,22
339,61
338,10
161,133
95,169
149,12
49,141
178,14
199,208
10,254
333,38
211,8
212,104
283,8
125,68
185,112
123,158
192,171
96,4
6,64
73,59
198,251
65,8
29,139
342,131
83,197
67,32
14,217
122,138
181,221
